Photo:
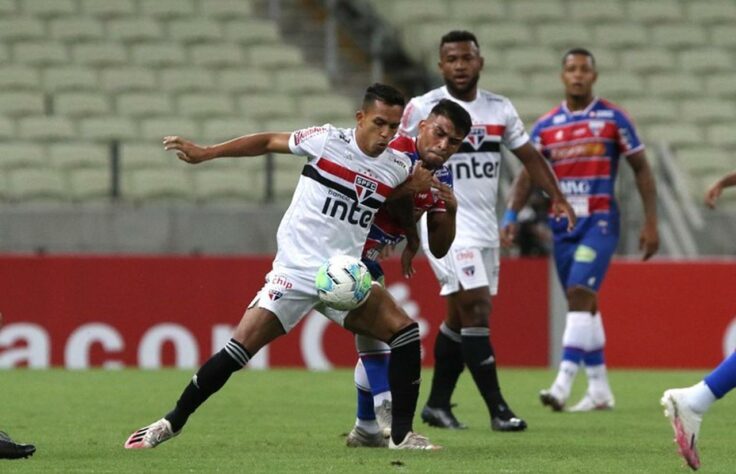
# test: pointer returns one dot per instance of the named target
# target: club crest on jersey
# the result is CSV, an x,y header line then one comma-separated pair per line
x,y
469,270
364,187
476,136
596,126
274,294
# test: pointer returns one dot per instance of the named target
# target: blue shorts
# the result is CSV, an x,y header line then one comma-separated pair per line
x,y
583,255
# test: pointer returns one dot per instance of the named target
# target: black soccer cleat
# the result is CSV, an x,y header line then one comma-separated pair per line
x,y
511,424
441,418
12,450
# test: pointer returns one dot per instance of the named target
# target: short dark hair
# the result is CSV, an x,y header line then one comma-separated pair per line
x,y
459,117
580,51
458,36
387,94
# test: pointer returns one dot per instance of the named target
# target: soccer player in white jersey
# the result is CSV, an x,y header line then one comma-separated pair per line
x,y
468,274
685,407
348,175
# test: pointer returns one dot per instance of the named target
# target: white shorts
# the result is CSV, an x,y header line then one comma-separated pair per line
x,y
291,298
467,268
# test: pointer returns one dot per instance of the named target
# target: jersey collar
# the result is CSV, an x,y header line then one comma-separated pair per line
x,y
580,112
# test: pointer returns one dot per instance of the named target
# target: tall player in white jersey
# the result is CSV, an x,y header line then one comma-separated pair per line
x,y
468,274
348,175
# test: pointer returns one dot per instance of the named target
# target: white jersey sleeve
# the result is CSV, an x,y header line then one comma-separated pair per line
x,y
514,136
414,113
310,141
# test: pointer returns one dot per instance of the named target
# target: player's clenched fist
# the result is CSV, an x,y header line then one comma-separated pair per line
x,y
186,150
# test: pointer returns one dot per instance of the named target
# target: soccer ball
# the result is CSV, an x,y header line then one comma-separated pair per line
x,y
343,282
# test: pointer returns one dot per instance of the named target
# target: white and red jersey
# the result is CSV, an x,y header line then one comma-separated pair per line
x,y
337,197
476,166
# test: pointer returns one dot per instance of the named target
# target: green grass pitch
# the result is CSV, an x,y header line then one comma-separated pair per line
x,y
293,420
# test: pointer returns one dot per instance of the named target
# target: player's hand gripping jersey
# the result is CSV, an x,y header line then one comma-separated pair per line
x,y
385,230
475,168
584,148
337,197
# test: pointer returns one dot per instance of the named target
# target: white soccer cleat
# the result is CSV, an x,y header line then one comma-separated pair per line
x,y
383,417
686,424
359,438
414,440
151,436
587,403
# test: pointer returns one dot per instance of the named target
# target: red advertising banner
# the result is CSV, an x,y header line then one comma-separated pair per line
x,y
148,312
669,314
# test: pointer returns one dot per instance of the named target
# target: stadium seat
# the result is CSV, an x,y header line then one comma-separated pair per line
x,y
245,80
189,79
563,35
72,29
720,85
417,11
115,9
158,54
40,53
220,130
80,104
226,9
675,85
532,11
217,55
19,154
649,110
289,124
621,35
108,128
252,31
7,7
326,107
593,11
46,128
677,36
701,160
647,60
506,83
19,77
114,80
655,11
63,78
529,59
158,127
19,103
723,36
422,39
606,60
286,176
707,60
473,11
677,134
620,85
46,9
265,106
89,185
547,85
275,56
194,30
137,155
7,128
145,185
129,30
168,9
231,185
498,35
530,109
4,54
100,54
708,110
14,29
36,184
302,80
143,104
722,135
73,155
713,11
201,105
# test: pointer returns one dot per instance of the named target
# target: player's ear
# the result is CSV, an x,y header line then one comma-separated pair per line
x,y
359,116
482,62
421,124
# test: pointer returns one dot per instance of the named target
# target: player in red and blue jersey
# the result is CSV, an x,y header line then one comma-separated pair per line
x,y
440,136
584,139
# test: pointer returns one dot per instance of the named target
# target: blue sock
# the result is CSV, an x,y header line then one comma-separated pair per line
x,y
376,368
365,405
573,354
723,378
594,358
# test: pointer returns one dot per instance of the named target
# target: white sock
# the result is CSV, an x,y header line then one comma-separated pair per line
x,y
370,426
565,377
378,399
598,387
700,397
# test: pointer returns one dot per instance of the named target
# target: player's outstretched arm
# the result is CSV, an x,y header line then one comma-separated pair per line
x,y
649,236
249,145
441,225
715,190
541,174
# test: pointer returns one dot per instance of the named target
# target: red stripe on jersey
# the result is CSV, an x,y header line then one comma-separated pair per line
x,y
403,144
599,203
579,130
349,175
495,130
582,168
